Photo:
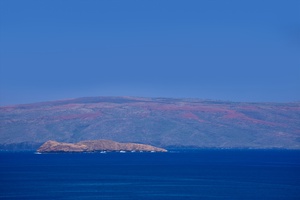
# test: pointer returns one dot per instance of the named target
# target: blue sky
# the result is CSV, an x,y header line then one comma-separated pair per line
x,y
211,49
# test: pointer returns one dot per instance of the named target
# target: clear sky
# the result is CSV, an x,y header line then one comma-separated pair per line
x,y
211,49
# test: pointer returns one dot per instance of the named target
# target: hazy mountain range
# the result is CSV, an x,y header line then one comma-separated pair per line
x,y
163,122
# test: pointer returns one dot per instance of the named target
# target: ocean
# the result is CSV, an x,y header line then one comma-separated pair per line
x,y
201,174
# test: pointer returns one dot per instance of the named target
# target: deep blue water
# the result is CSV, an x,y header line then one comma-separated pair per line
x,y
204,174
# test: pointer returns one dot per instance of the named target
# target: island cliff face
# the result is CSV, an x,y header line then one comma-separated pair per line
x,y
96,145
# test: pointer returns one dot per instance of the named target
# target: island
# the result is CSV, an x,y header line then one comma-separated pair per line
x,y
96,146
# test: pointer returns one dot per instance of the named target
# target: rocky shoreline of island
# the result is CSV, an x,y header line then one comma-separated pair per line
x,y
101,146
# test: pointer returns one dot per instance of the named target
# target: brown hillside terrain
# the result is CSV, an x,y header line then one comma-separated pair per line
x,y
162,122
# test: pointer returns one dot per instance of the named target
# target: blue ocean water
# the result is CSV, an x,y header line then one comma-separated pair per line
x,y
203,174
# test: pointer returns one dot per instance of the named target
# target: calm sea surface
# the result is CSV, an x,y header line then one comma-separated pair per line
x,y
203,174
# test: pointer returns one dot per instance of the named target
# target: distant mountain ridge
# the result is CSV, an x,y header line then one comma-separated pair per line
x,y
162,122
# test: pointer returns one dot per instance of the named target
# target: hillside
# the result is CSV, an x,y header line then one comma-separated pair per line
x,y
162,122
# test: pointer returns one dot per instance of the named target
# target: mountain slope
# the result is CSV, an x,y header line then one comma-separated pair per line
x,y
163,122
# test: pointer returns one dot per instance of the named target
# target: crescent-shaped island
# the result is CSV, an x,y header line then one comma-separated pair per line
x,y
96,146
